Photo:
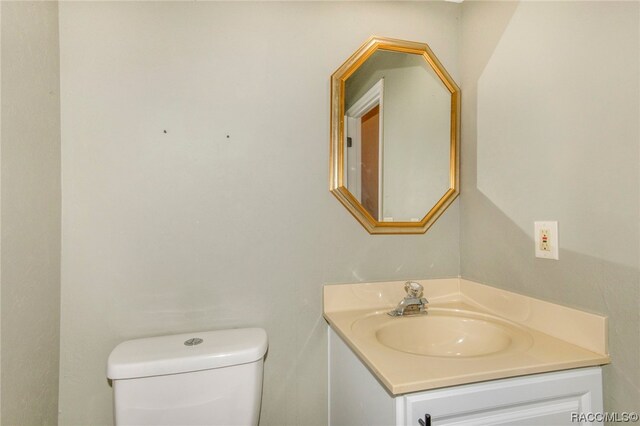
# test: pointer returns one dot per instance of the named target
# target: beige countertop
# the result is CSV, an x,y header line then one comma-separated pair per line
x,y
549,337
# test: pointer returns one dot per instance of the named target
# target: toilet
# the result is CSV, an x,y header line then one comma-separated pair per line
x,y
209,378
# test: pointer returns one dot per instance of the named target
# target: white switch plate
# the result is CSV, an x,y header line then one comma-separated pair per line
x,y
548,249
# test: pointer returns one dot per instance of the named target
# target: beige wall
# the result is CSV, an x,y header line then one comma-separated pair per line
x,y
551,132
191,230
30,213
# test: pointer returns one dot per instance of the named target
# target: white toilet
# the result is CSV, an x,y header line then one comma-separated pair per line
x,y
209,378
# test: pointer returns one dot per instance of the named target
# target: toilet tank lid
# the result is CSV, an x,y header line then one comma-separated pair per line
x,y
156,356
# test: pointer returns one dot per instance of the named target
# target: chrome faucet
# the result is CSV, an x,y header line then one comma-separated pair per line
x,y
413,303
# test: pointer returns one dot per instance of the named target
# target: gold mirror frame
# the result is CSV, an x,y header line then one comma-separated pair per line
x,y
336,184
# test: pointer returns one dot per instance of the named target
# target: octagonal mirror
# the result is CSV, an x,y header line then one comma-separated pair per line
x,y
394,136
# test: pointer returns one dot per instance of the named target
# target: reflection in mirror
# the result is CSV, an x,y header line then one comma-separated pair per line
x,y
394,136
397,105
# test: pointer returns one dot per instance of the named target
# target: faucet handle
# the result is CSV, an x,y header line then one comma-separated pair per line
x,y
413,289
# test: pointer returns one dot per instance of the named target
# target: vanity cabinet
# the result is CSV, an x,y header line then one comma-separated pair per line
x,y
556,398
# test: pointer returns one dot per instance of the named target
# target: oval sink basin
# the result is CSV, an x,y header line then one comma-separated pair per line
x,y
445,333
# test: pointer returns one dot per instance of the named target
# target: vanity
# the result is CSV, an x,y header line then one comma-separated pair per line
x,y
480,355
474,354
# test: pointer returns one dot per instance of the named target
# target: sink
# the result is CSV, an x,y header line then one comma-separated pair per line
x,y
471,333
444,333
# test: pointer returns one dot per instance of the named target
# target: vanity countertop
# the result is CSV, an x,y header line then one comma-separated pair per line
x,y
549,337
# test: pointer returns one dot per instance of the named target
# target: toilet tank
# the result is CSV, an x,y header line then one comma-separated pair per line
x,y
207,378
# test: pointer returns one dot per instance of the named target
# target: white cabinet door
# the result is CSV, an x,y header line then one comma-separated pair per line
x,y
543,399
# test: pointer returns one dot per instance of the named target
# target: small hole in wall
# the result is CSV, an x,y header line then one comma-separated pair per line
x,y
164,131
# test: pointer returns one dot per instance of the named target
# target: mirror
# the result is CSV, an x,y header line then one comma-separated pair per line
x,y
394,136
